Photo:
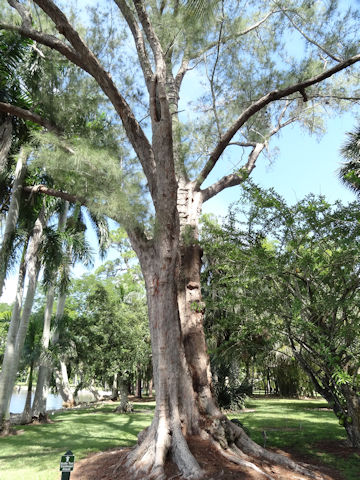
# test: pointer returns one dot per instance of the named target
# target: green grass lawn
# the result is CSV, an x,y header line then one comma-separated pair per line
x,y
299,425
35,453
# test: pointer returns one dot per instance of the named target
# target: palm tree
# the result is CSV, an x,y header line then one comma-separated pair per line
x,y
350,171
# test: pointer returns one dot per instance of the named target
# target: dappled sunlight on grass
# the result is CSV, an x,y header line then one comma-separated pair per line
x,y
298,425
35,453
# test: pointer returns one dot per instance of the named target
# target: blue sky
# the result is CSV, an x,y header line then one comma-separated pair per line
x,y
304,164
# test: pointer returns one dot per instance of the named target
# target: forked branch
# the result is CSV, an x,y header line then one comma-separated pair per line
x,y
138,39
259,104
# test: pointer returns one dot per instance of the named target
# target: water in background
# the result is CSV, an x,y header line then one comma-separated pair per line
x,y
54,402
17,403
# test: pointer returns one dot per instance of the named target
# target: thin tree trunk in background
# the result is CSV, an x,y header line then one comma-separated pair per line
x,y
125,406
13,352
5,143
138,383
114,388
26,415
63,385
12,217
42,385
150,388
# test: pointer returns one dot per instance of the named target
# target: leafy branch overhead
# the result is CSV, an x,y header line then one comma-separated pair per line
x,y
251,106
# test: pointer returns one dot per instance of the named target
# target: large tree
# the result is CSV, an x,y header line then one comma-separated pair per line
x,y
254,85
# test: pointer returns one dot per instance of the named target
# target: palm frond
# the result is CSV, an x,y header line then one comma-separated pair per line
x,y
350,171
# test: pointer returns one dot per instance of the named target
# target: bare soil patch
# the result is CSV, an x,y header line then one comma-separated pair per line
x,y
108,465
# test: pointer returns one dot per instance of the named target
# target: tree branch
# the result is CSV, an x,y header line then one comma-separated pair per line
x,y
27,115
45,39
234,178
237,178
35,118
138,39
310,40
152,38
256,106
85,58
227,38
55,193
23,12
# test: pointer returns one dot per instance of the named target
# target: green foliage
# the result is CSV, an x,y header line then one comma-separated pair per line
x,y
299,281
106,324
350,171
95,174
5,316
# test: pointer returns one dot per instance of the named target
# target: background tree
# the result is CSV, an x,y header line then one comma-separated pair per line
x,y
350,171
234,43
305,285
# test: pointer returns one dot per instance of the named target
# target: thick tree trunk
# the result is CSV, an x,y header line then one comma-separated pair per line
x,y
176,412
12,217
352,417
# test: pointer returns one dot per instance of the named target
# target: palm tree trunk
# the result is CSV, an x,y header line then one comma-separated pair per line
x,y
5,143
10,344
26,415
42,385
13,350
12,217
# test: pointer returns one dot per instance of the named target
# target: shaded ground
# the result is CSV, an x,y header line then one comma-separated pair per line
x,y
102,465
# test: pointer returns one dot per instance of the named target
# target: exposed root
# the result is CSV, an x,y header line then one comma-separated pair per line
x,y
183,458
6,429
245,444
235,458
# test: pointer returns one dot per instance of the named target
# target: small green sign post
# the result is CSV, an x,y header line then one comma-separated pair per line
x,y
67,465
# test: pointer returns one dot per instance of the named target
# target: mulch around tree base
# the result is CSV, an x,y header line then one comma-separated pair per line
x,y
101,466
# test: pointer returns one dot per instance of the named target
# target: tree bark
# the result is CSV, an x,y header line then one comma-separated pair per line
x,y
42,385
5,143
63,385
17,333
352,419
26,415
125,406
12,217
60,371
